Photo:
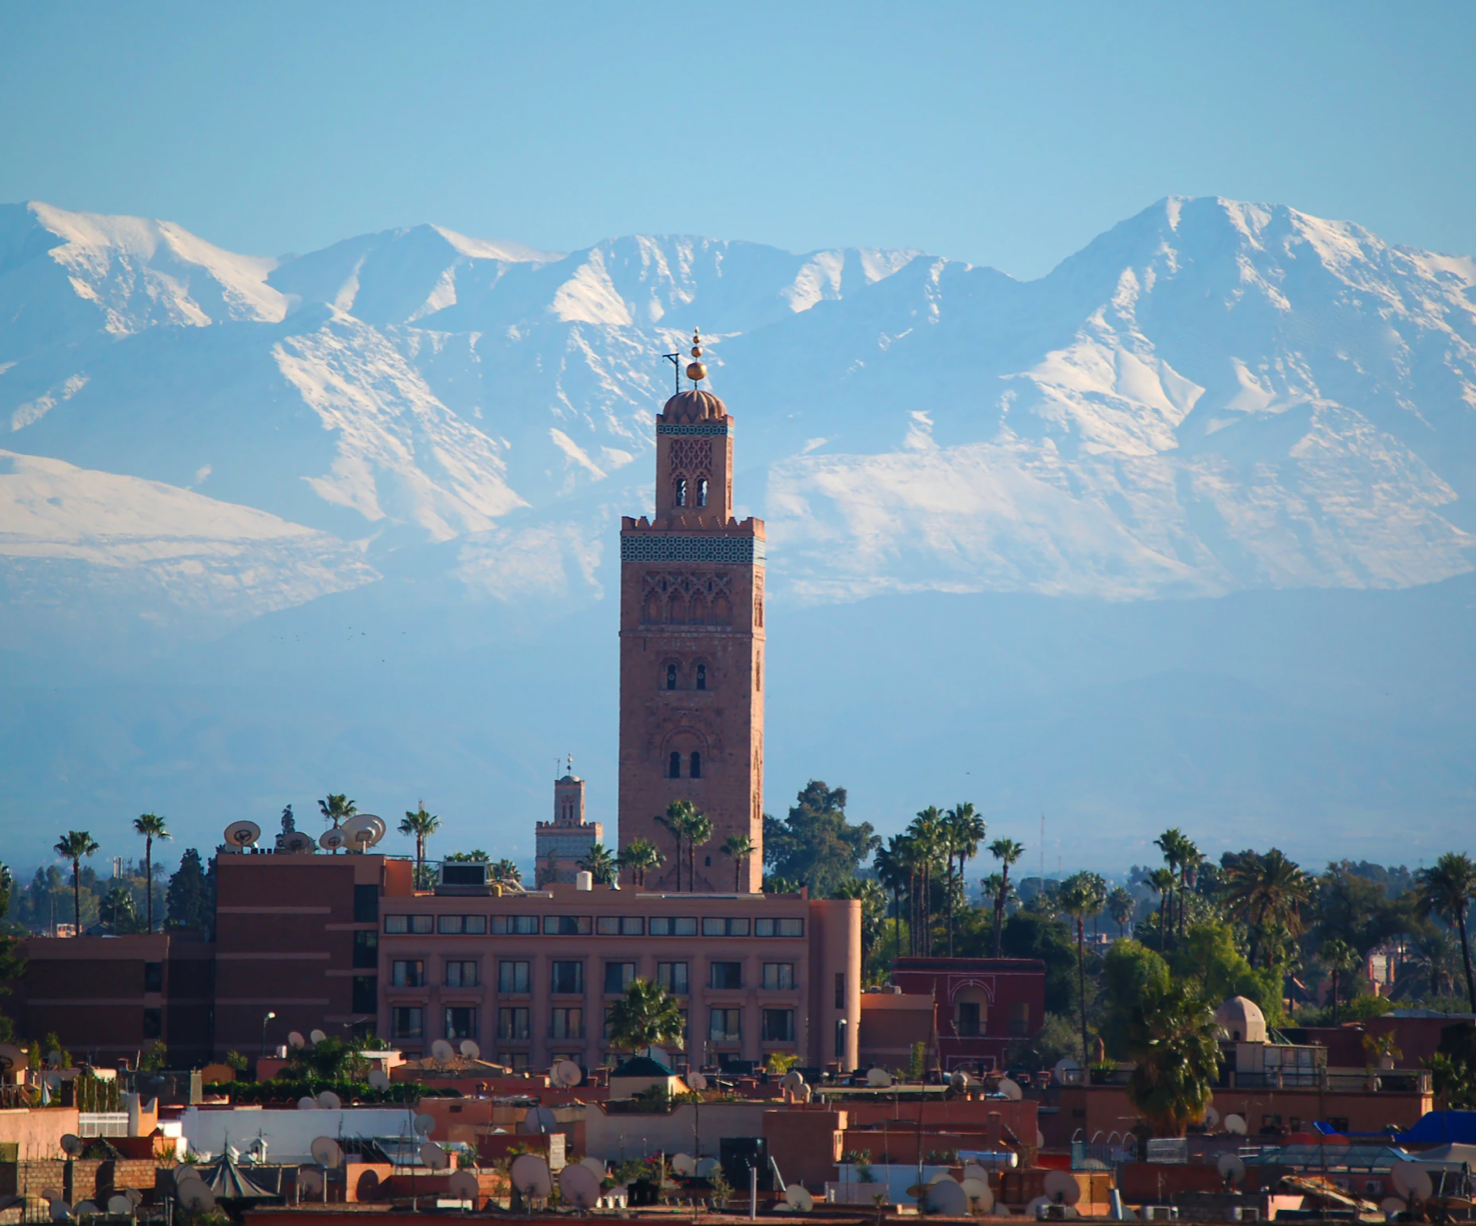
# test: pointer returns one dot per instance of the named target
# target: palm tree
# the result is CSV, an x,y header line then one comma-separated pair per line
x,y
739,847
1171,842
676,819
421,825
600,864
891,870
699,832
1175,1042
1082,894
73,847
1161,881
1338,956
640,856
1190,860
1266,893
1122,906
1446,890
873,901
647,1015
335,808
505,872
928,841
1007,852
151,827
963,831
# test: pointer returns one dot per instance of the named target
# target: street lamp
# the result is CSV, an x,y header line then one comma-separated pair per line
x,y
264,1022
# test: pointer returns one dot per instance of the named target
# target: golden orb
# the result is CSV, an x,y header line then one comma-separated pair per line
x,y
696,351
696,372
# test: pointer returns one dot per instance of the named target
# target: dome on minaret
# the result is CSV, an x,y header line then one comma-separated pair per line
x,y
693,406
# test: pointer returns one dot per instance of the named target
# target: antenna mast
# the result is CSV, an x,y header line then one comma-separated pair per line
x,y
676,360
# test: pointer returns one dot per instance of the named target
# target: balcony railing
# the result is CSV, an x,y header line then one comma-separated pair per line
x,y
1332,1081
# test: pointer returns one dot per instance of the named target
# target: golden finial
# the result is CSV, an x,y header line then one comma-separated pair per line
x,y
696,371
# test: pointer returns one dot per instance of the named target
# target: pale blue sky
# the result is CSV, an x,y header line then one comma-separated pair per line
x,y
1000,134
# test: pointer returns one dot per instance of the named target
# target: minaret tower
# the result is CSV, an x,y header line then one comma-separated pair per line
x,y
692,651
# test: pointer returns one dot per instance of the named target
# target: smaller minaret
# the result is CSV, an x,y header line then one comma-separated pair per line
x,y
559,845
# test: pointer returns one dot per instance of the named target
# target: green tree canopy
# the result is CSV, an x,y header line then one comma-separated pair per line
x,y
190,899
1209,953
815,844
1129,971
646,1016
1175,1043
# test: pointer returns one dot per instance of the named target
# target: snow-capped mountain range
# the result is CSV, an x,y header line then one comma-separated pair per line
x,y
1212,396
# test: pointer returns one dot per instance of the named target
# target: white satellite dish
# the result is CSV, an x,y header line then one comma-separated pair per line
x,y
72,1145
1391,1207
135,1197
60,1210
707,1167
1063,1066
879,1078
684,1164
530,1176
696,1081
51,1194
1061,1187
464,1185
442,1050
1034,1209
298,843
580,1186
326,1152
309,1181
980,1195
793,1080
597,1165
1211,1117
1235,1125
329,1101
196,1196
972,1170
537,1121
88,1208
471,1049
1231,1168
295,1039
1010,1088
242,834
332,840
316,1036
1412,1181
948,1198
434,1156
307,1103
798,1198
119,1206
379,1079
940,1176
566,1073
186,1174
425,1124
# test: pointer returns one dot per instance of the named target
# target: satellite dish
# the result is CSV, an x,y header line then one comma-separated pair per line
x,y
684,1164
1231,1168
580,1186
696,1081
706,1167
442,1050
1391,1207
1061,1188
793,1080
597,1165
434,1156
425,1124
309,1181
1011,1089
530,1176
60,1210
379,1079
1235,1125
471,1049
464,1185
332,840
326,1152
537,1121
186,1174
242,834
135,1197
88,1208
1063,1066
198,1197
307,1103
1211,1117
295,1039
980,1195
51,1194
363,830
329,1101
1034,1208
939,1177
72,1144
119,1206
878,1077
1411,1181
948,1198
798,1198
316,1036
566,1073
298,843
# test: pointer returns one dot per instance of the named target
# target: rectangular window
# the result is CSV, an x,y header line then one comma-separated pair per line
x,y
778,976
966,1020
607,926
673,977
512,977
512,1025
725,976
461,1023
476,925
461,974
778,1025
408,973
621,926
725,1026
519,1061
1019,1020
567,1024
840,1039
366,994
153,976
567,925
840,989
514,925
618,976
420,923
366,904
714,927
791,928
408,1022
567,978
673,925
779,928
153,1026
449,925
366,950
396,924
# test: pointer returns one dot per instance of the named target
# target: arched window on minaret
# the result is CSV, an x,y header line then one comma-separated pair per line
x,y
671,676
696,765
702,676
701,491
674,766
679,492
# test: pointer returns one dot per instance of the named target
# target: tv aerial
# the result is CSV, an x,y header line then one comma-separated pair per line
x,y
530,1177
242,834
580,1186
